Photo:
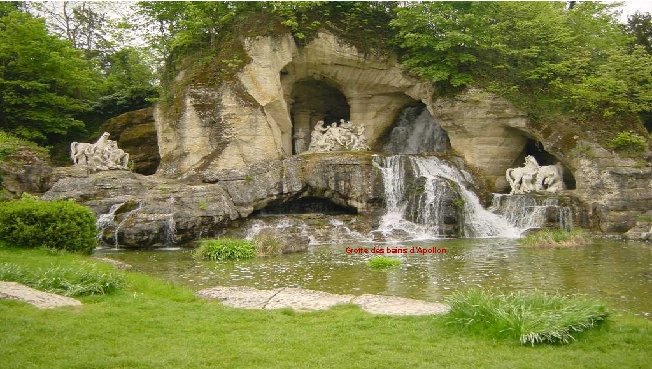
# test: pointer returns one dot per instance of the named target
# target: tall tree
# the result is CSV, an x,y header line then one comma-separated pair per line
x,y
44,82
640,26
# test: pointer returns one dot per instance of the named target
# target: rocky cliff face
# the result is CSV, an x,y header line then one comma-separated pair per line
x,y
153,211
135,132
238,136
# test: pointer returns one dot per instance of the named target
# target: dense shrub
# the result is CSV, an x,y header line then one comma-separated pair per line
x,y
556,238
381,262
82,280
225,249
30,222
628,141
532,317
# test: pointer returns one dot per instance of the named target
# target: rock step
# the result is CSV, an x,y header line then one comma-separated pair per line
x,y
40,299
303,299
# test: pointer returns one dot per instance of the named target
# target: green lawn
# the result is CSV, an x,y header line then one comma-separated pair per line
x,y
152,324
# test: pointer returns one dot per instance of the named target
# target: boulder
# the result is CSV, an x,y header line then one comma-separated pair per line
x,y
24,171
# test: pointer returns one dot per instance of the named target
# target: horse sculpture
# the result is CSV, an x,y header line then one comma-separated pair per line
x,y
532,177
102,155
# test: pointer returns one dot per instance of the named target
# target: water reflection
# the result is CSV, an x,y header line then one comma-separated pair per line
x,y
618,273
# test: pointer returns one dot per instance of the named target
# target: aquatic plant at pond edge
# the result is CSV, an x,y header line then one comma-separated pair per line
x,y
382,262
81,280
532,317
225,249
267,245
556,238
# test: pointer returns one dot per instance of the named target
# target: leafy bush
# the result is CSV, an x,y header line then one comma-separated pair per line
x,y
533,317
381,262
69,281
30,222
267,245
628,141
9,144
225,249
556,238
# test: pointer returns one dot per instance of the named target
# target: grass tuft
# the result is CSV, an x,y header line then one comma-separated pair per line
x,y
556,238
82,280
225,249
382,262
267,245
532,317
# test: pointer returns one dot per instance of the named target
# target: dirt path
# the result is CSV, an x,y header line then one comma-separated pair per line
x,y
302,299
40,299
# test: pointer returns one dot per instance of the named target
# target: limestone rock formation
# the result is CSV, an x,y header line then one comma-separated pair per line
x,y
135,133
24,171
152,211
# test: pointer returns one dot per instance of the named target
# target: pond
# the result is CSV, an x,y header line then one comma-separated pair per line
x,y
615,272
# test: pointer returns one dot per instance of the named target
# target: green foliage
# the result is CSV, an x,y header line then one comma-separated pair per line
x,y
203,205
543,57
44,82
171,312
556,238
225,249
639,25
10,144
30,222
628,141
267,245
458,202
532,317
382,262
80,280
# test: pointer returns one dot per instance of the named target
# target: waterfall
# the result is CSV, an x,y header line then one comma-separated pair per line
x,y
170,227
416,131
533,211
422,212
107,220
127,215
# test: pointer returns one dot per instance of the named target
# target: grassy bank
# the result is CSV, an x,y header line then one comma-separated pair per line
x,y
153,324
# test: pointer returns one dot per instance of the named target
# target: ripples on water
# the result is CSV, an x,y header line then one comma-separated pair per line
x,y
617,273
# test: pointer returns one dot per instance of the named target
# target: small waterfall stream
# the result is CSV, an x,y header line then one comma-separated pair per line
x,y
443,183
532,212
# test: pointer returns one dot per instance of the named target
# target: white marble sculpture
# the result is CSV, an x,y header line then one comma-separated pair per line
x,y
300,140
345,136
532,177
102,155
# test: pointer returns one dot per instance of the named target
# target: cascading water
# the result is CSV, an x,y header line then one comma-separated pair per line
x,y
107,220
426,217
416,131
169,227
532,211
126,217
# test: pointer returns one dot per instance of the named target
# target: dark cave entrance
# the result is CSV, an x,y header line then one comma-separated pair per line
x,y
305,205
543,157
314,100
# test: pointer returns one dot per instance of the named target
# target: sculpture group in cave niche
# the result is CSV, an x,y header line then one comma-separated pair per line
x,y
532,177
345,136
102,155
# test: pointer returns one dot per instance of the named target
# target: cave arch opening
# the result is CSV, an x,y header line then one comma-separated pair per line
x,y
305,205
314,100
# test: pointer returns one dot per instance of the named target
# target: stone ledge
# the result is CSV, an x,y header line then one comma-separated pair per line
x,y
305,300
40,299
